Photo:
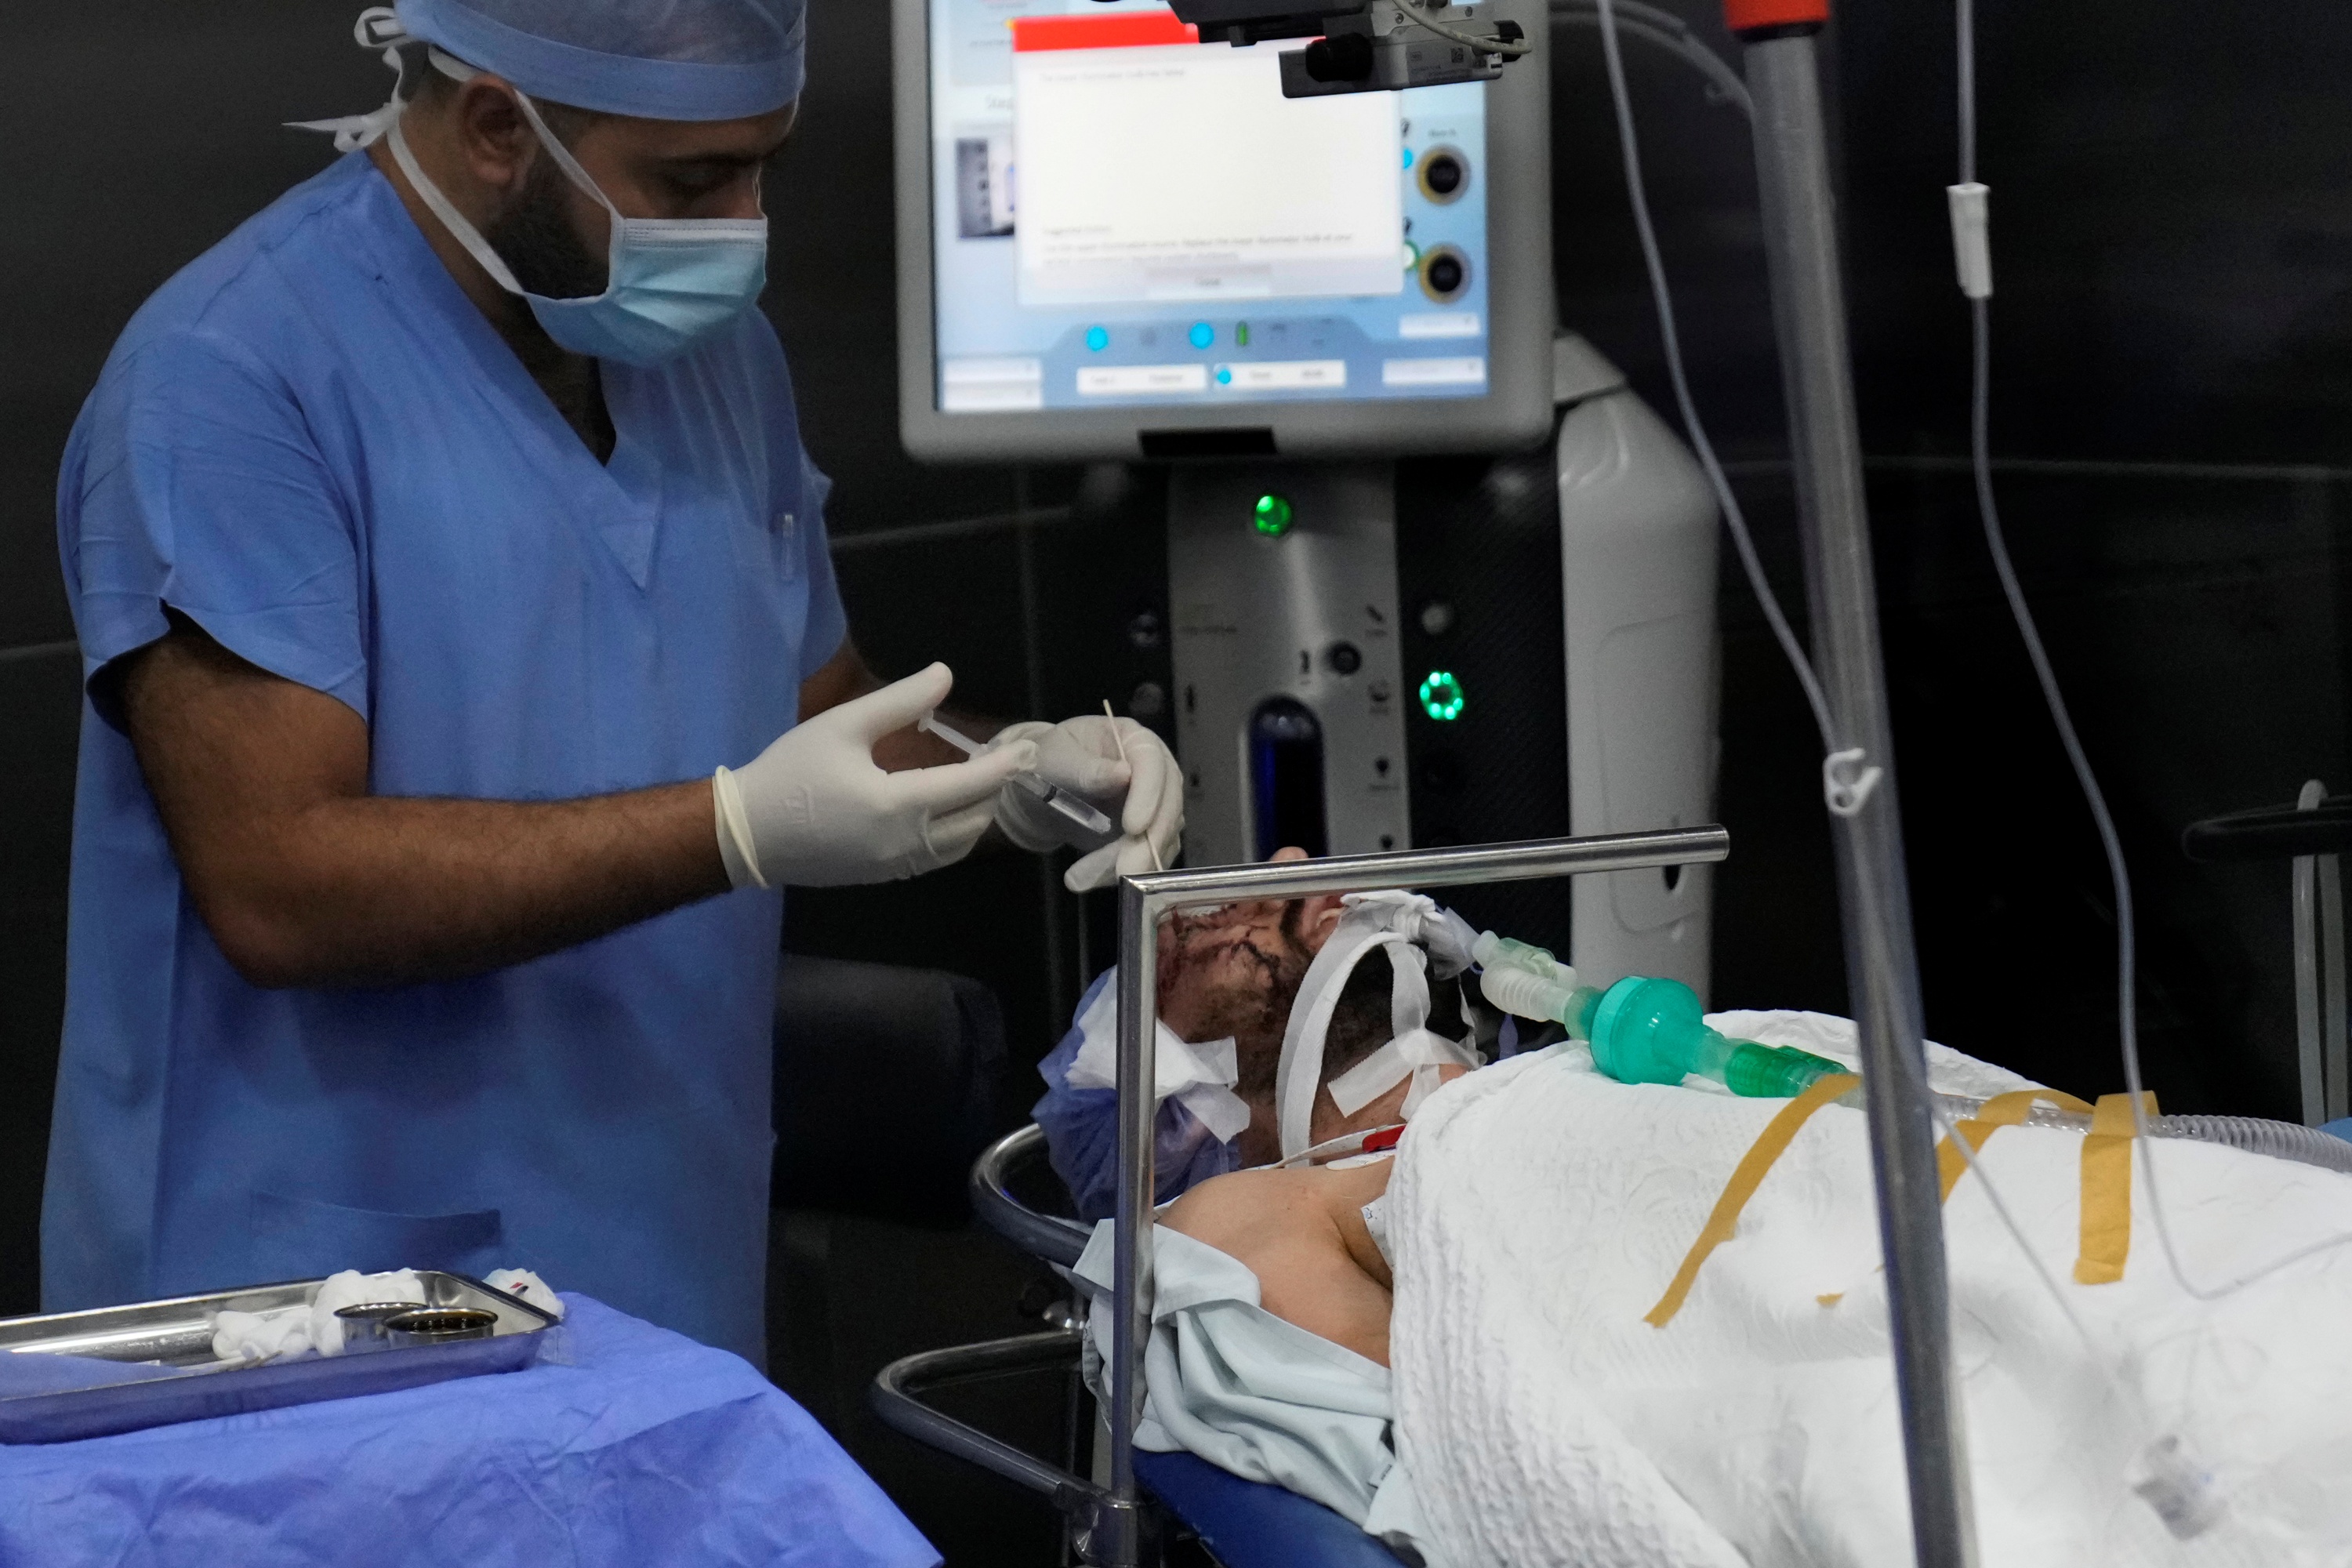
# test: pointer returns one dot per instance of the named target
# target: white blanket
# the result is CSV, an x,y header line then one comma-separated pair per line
x,y
1540,1210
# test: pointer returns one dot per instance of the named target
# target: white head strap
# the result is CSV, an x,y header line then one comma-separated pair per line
x,y
1396,920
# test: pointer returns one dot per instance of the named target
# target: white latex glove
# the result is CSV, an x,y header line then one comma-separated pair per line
x,y
815,811
1119,765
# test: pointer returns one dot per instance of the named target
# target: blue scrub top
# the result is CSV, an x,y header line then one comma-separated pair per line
x,y
314,446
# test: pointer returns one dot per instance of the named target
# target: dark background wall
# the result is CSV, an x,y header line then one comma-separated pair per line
x,y
2173,361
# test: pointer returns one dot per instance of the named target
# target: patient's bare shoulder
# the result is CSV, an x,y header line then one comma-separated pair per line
x,y
1243,1207
1302,1234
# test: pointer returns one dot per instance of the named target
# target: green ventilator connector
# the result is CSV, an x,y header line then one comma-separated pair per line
x,y
1641,1030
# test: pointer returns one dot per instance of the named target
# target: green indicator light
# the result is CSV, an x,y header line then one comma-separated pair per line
x,y
1441,696
1241,335
1273,516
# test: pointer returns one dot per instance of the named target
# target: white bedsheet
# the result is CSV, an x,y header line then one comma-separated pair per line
x,y
1540,1210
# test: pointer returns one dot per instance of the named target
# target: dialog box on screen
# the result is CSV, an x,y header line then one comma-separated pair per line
x,y
1151,168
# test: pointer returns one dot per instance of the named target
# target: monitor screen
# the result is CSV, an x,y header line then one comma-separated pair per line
x,y
1115,239
1126,217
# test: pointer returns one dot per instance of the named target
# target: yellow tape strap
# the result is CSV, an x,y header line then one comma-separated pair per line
x,y
2000,1111
1745,1179
2106,1191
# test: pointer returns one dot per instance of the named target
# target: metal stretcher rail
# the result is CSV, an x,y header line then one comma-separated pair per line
x,y
896,1397
898,1389
1043,1236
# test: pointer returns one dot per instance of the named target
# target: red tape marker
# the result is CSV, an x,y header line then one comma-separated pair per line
x,y
1109,30
1750,16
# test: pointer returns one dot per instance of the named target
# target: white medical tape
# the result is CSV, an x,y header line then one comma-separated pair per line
x,y
1225,1114
1299,1073
1373,919
1425,1084
1449,939
1199,1075
1418,1053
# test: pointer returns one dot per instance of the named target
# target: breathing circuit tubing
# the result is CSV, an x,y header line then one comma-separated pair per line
x,y
2280,1136
2280,1140
1650,1031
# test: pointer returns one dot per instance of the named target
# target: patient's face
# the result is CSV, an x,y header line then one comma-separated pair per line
x,y
1234,971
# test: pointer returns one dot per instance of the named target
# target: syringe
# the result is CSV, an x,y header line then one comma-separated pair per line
x,y
1061,800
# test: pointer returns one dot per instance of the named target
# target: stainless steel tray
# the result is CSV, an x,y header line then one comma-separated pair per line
x,y
178,1333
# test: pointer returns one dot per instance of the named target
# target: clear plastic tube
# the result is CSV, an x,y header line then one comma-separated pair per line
x,y
2279,1140
1528,982
1525,995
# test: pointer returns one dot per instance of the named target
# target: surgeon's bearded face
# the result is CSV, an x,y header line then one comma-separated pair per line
x,y
538,238
1234,970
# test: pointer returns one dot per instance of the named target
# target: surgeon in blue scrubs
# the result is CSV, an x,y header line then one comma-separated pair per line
x,y
466,672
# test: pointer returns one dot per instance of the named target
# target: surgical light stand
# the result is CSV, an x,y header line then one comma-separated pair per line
x,y
1801,245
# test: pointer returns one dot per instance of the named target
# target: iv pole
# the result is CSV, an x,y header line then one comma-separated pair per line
x,y
1810,320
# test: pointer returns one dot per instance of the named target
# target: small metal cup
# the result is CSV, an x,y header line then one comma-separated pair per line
x,y
363,1322
438,1326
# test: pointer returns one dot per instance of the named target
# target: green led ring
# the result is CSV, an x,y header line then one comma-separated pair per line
x,y
1441,696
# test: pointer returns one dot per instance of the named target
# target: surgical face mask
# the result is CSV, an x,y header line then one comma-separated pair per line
x,y
670,283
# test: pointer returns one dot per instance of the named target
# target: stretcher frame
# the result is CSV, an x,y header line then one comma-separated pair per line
x,y
1112,1525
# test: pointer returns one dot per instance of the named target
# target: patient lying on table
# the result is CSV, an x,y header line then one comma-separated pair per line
x,y
1507,1343
1487,1350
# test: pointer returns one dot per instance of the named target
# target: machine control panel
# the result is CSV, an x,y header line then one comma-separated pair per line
x,y
1283,585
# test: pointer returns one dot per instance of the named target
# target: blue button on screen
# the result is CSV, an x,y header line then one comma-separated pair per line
x,y
1097,338
1224,376
1204,334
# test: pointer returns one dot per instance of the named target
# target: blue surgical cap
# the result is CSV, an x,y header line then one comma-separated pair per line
x,y
657,59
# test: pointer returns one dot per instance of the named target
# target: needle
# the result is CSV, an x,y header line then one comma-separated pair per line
x,y
1120,742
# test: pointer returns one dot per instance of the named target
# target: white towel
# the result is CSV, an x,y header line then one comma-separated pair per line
x,y
1538,1211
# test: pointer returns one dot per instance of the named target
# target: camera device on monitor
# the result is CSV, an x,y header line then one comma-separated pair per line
x,y
1371,45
